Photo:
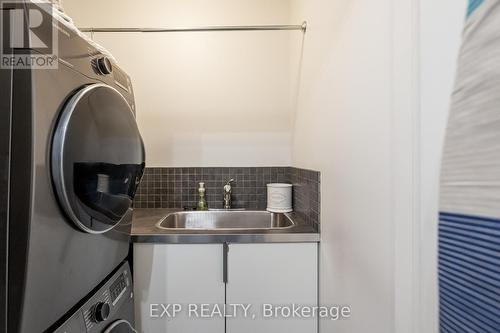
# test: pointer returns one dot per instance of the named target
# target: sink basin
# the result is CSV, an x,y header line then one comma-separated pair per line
x,y
225,220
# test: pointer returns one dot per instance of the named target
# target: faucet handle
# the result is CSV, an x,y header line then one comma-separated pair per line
x,y
230,181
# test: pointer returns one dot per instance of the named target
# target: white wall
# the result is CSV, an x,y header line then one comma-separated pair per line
x,y
441,24
343,129
373,90
203,99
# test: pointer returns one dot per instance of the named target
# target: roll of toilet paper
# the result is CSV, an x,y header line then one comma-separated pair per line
x,y
279,198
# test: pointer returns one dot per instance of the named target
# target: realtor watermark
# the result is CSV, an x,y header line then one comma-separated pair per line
x,y
266,311
29,38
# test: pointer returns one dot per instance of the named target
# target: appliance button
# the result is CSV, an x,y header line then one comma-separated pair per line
x,y
101,312
104,66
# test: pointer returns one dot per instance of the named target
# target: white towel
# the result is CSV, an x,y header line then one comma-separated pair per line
x,y
470,180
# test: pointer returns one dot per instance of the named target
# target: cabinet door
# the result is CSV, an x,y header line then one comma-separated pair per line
x,y
177,274
276,274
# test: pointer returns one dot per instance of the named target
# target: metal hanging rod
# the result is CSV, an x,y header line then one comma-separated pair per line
x,y
301,27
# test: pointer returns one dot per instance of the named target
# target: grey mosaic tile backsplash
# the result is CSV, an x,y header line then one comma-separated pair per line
x,y
306,193
178,188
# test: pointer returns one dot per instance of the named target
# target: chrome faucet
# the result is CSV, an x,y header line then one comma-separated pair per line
x,y
227,194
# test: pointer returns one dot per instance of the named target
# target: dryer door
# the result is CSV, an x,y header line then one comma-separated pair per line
x,y
120,326
97,158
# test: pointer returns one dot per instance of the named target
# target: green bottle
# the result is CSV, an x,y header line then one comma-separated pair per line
x,y
202,202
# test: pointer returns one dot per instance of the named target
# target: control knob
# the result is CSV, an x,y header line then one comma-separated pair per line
x,y
101,311
104,66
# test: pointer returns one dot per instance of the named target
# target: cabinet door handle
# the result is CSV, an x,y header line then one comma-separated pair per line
x,y
225,250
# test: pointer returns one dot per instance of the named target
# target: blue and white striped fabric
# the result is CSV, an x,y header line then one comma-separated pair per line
x,y
469,270
469,220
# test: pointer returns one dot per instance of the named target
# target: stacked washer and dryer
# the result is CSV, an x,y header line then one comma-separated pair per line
x,y
71,159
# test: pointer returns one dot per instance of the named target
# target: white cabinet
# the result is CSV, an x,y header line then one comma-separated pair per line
x,y
177,274
258,275
276,275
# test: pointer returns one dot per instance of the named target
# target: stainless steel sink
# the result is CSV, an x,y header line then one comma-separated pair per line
x,y
225,220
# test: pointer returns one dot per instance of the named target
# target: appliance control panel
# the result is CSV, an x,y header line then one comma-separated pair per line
x,y
118,288
76,53
102,305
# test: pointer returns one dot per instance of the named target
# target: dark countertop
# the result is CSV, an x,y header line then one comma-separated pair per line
x,y
144,230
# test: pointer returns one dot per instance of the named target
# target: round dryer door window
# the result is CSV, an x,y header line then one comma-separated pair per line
x,y
97,158
120,326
